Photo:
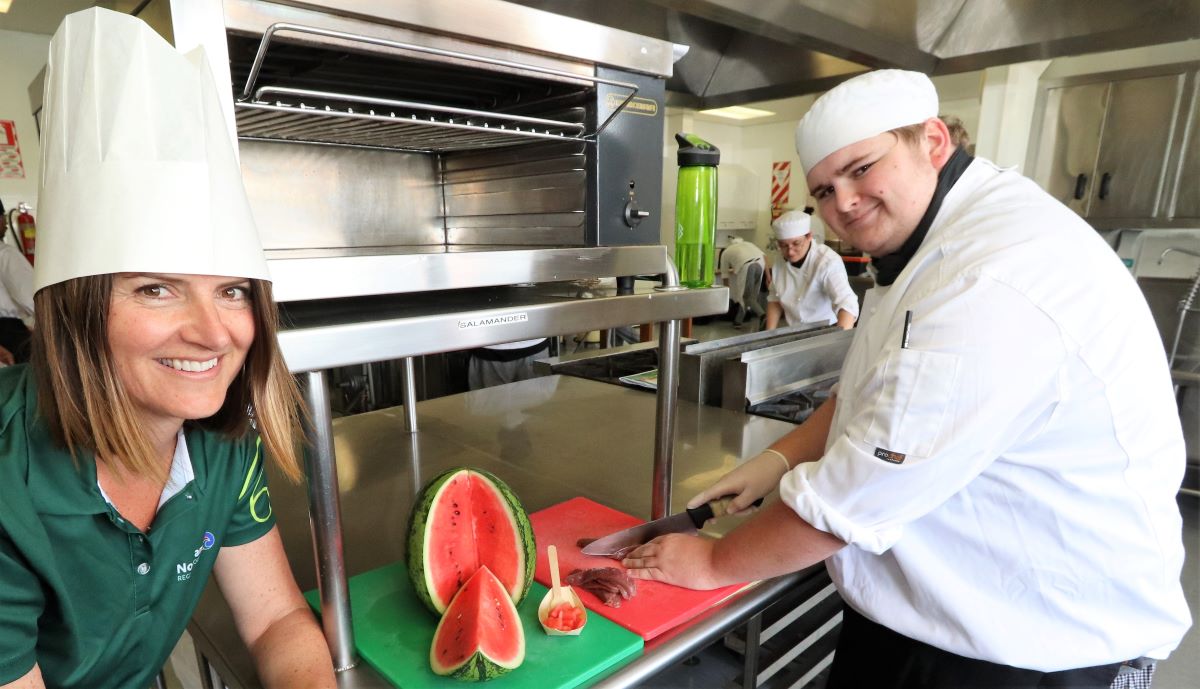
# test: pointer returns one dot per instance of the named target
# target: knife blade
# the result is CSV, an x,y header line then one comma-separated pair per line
x,y
682,522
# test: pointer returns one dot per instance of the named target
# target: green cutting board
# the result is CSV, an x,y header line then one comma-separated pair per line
x,y
393,632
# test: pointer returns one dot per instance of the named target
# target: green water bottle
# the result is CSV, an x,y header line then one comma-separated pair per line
x,y
696,210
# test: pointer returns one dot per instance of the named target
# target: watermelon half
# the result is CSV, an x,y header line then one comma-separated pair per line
x,y
463,520
480,635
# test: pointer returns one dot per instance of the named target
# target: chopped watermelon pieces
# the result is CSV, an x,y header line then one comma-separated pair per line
x,y
564,617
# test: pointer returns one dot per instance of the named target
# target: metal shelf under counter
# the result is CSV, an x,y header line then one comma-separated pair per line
x,y
551,439
328,333
300,274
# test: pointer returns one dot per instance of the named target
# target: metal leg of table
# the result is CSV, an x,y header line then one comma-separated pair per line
x,y
325,518
410,395
666,403
753,648
205,668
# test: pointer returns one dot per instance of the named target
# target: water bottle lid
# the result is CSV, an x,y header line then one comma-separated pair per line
x,y
696,151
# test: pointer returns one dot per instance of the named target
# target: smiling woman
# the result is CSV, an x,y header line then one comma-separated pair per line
x,y
136,440
154,325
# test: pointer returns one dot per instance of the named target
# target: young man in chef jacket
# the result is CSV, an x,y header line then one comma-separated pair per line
x,y
993,485
809,284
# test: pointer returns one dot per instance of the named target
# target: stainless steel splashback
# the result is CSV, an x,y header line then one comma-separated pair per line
x,y
526,195
308,196
316,197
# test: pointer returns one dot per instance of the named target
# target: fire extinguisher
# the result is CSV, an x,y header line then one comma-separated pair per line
x,y
26,230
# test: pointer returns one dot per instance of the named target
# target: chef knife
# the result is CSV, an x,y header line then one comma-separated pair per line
x,y
683,522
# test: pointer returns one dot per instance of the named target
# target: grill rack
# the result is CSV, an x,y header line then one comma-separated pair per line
x,y
275,112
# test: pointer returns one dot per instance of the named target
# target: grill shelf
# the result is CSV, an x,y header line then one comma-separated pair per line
x,y
318,116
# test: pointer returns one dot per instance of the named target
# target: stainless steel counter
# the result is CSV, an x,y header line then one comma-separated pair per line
x,y
550,439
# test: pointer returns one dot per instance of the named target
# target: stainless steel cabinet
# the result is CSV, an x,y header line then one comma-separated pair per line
x,y
1113,146
1187,184
1071,124
1132,160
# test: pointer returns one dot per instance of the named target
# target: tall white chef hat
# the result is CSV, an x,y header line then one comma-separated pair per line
x,y
138,170
791,225
860,108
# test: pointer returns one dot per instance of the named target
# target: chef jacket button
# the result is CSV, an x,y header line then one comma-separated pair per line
x,y
143,569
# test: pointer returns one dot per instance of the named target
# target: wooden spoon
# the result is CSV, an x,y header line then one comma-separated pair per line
x,y
559,595
555,585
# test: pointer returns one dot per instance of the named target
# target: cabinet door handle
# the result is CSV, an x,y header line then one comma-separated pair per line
x,y
1080,186
1105,183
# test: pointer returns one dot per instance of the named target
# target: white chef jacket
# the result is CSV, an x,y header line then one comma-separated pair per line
x,y
16,284
735,259
1007,483
814,292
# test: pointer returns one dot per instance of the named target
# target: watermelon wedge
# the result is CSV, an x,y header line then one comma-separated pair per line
x,y
463,520
480,635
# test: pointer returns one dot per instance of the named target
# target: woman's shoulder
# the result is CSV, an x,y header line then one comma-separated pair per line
x,y
14,460
223,458
14,392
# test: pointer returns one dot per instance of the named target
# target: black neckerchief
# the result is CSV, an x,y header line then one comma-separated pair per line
x,y
887,268
797,264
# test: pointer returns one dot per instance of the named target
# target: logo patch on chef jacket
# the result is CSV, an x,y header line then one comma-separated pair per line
x,y
889,456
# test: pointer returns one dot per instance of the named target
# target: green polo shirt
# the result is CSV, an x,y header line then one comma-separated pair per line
x,y
85,595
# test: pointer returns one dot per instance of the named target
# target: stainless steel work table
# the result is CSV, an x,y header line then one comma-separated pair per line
x,y
550,439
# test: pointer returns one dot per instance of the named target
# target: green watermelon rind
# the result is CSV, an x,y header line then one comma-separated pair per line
x,y
417,534
479,667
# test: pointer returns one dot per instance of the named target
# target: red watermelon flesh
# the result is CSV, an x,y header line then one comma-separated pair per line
x,y
471,526
480,635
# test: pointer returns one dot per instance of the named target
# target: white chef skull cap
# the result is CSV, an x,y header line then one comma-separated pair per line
x,y
138,170
791,225
860,108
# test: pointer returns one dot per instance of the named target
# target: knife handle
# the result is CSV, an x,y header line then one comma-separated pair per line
x,y
714,510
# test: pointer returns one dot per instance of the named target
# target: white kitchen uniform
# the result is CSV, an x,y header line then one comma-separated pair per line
x,y
736,260
814,292
16,284
1007,483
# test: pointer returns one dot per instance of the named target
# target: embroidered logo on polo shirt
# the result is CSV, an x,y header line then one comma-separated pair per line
x,y
255,486
889,456
183,570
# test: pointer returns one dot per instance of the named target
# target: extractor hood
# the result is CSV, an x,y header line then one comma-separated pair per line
x,y
750,50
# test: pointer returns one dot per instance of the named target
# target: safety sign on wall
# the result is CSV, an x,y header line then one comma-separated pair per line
x,y
781,182
11,166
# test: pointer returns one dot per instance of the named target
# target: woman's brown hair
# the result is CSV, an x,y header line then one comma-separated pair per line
x,y
86,406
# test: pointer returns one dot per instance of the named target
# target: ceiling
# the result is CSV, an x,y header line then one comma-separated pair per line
x,y
40,16
744,51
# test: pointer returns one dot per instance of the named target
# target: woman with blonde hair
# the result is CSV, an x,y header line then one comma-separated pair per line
x,y
132,448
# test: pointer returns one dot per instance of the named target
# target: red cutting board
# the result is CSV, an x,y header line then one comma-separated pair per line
x,y
656,608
